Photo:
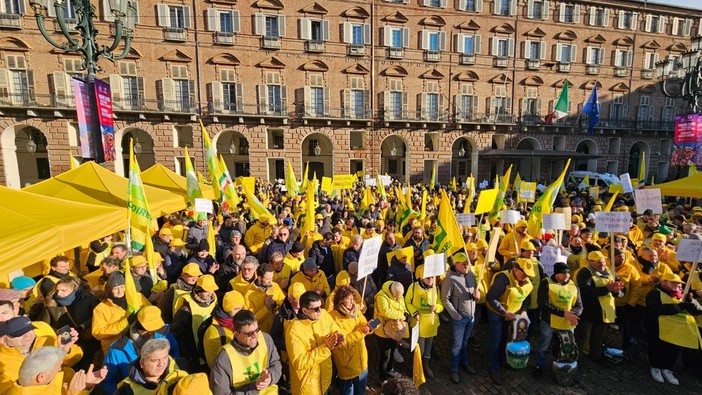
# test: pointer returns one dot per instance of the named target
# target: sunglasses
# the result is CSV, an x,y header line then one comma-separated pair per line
x,y
251,333
315,309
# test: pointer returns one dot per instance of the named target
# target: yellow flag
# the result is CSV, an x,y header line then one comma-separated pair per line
x,y
303,185
433,176
447,237
211,238
517,182
642,170
367,198
381,187
417,370
134,302
256,208
454,186
424,205
74,162
504,186
307,218
544,204
486,199
609,205
291,181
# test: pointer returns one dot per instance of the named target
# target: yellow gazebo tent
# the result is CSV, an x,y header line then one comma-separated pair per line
x,y
160,176
686,187
42,226
90,183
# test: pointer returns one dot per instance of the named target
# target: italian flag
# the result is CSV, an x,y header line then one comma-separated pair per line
x,y
560,110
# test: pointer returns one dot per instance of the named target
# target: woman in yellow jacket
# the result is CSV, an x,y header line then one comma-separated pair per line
x,y
424,298
111,317
389,307
350,358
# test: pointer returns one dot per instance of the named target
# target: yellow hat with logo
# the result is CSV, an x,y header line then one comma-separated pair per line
x,y
192,269
296,290
138,260
526,265
207,282
232,300
149,318
595,256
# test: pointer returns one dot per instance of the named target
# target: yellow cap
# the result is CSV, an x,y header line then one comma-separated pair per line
x,y
521,224
595,256
481,243
296,290
207,282
150,318
232,300
319,216
428,252
527,245
138,260
419,272
165,232
176,243
460,258
659,237
195,383
401,254
471,247
672,277
264,218
526,265
380,222
192,269
342,278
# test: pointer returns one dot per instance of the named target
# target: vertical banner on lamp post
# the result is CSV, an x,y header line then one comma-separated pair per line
x,y
81,93
107,129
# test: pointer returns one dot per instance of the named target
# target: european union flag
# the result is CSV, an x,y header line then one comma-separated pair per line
x,y
592,109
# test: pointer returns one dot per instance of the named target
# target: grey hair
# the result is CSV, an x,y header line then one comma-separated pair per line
x,y
357,238
41,360
153,345
251,259
397,288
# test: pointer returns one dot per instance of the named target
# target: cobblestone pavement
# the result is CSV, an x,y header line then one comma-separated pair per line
x,y
627,377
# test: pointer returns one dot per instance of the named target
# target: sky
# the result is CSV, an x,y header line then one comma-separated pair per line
x,y
686,3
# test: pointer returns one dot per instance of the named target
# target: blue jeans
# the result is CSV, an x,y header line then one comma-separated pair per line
x,y
545,336
496,348
354,386
460,332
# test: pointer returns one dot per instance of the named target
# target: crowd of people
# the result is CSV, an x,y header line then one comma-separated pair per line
x,y
272,309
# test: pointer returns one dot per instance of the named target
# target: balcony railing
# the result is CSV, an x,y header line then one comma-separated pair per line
x,y
314,46
592,69
224,38
655,125
467,58
335,113
468,117
648,74
178,106
563,67
174,34
396,53
531,119
357,49
501,61
13,99
532,64
128,104
10,21
620,71
270,42
432,56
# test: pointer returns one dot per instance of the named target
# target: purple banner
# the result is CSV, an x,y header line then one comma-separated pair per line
x,y
687,150
85,120
107,128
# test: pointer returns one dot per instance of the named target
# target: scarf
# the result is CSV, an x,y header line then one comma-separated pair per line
x,y
203,302
343,310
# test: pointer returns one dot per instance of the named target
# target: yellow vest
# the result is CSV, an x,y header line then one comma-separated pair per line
x,y
171,379
535,282
247,368
514,295
563,296
198,312
679,329
606,301
177,294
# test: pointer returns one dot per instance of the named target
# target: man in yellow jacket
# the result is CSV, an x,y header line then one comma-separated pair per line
x,y
263,297
310,339
514,239
295,257
257,234
312,278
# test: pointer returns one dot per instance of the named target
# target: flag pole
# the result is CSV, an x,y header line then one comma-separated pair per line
x,y
128,233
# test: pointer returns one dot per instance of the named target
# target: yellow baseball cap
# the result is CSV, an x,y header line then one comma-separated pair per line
x,y
165,232
481,243
527,245
296,290
527,266
521,224
419,272
138,260
207,282
659,237
149,318
460,258
192,269
194,383
428,252
232,300
672,277
595,256
471,247
176,242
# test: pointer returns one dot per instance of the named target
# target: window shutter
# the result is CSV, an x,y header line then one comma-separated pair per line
x,y
605,19
31,94
444,3
239,96
422,104
474,103
561,12
601,56
576,17
163,16
325,30
346,94
442,110
259,24
676,22
508,106
457,103
478,5
116,89
620,19
625,111
6,85
442,41
263,99
212,19
405,105
186,17
307,98
405,37
688,27
493,46
476,44
236,26
141,91
661,24
629,58
592,15
496,7
526,49
573,53
426,3
304,28
530,9
510,47
634,20
460,42
386,105
424,40
327,96
191,96
542,50
167,93
281,25
60,82
546,11
647,25
559,52
462,5
367,33
489,105
106,12
217,96
513,7
346,33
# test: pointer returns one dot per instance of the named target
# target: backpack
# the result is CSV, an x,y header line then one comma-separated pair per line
x,y
201,335
564,347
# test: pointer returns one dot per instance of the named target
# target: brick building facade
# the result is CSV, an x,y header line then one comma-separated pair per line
x,y
394,87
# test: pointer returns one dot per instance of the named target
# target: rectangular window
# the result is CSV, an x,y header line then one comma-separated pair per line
x,y
504,7
396,39
357,35
655,22
396,104
229,98
627,20
595,56
225,22
622,58
182,95
566,53
316,101
537,11
432,106
316,31
650,60
15,7
176,16
433,41
534,50
471,5
469,44
274,99
357,103
531,107
130,90
599,19
467,104
502,47
569,13
271,27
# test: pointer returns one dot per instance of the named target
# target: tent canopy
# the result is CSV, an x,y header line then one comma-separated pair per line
x,y
42,226
160,176
686,187
91,183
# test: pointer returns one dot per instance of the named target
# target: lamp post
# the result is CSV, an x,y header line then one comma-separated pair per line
x,y
683,80
124,14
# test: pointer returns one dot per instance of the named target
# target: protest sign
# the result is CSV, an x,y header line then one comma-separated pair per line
x,y
594,193
370,182
467,219
510,216
203,206
554,221
527,191
327,184
648,199
486,200
247,182
613,221
368,259
689,250
386,180
483,184
435,265
548,258
415,337
343,181
626,183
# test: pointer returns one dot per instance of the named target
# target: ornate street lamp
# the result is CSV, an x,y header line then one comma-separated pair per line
x,y
125,16
233,149
31,145
684,79
137,147
393,150
317,150
462,151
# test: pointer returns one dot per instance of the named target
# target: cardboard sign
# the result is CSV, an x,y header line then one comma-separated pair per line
x,y
689,250
386,180
327,184
486,199
343,181
626,183
435,265
368,259
510,216
467,219
613,221
648,199
554,221
370,182
415,337
568,214
203,206
483,184
548,258
527,191
492,247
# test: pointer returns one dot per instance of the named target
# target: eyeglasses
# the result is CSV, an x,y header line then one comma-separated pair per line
x,y
315,309
252,333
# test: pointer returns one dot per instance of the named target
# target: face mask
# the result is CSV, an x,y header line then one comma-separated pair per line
x,y
66,300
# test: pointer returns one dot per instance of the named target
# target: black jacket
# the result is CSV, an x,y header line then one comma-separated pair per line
x,y
324,258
